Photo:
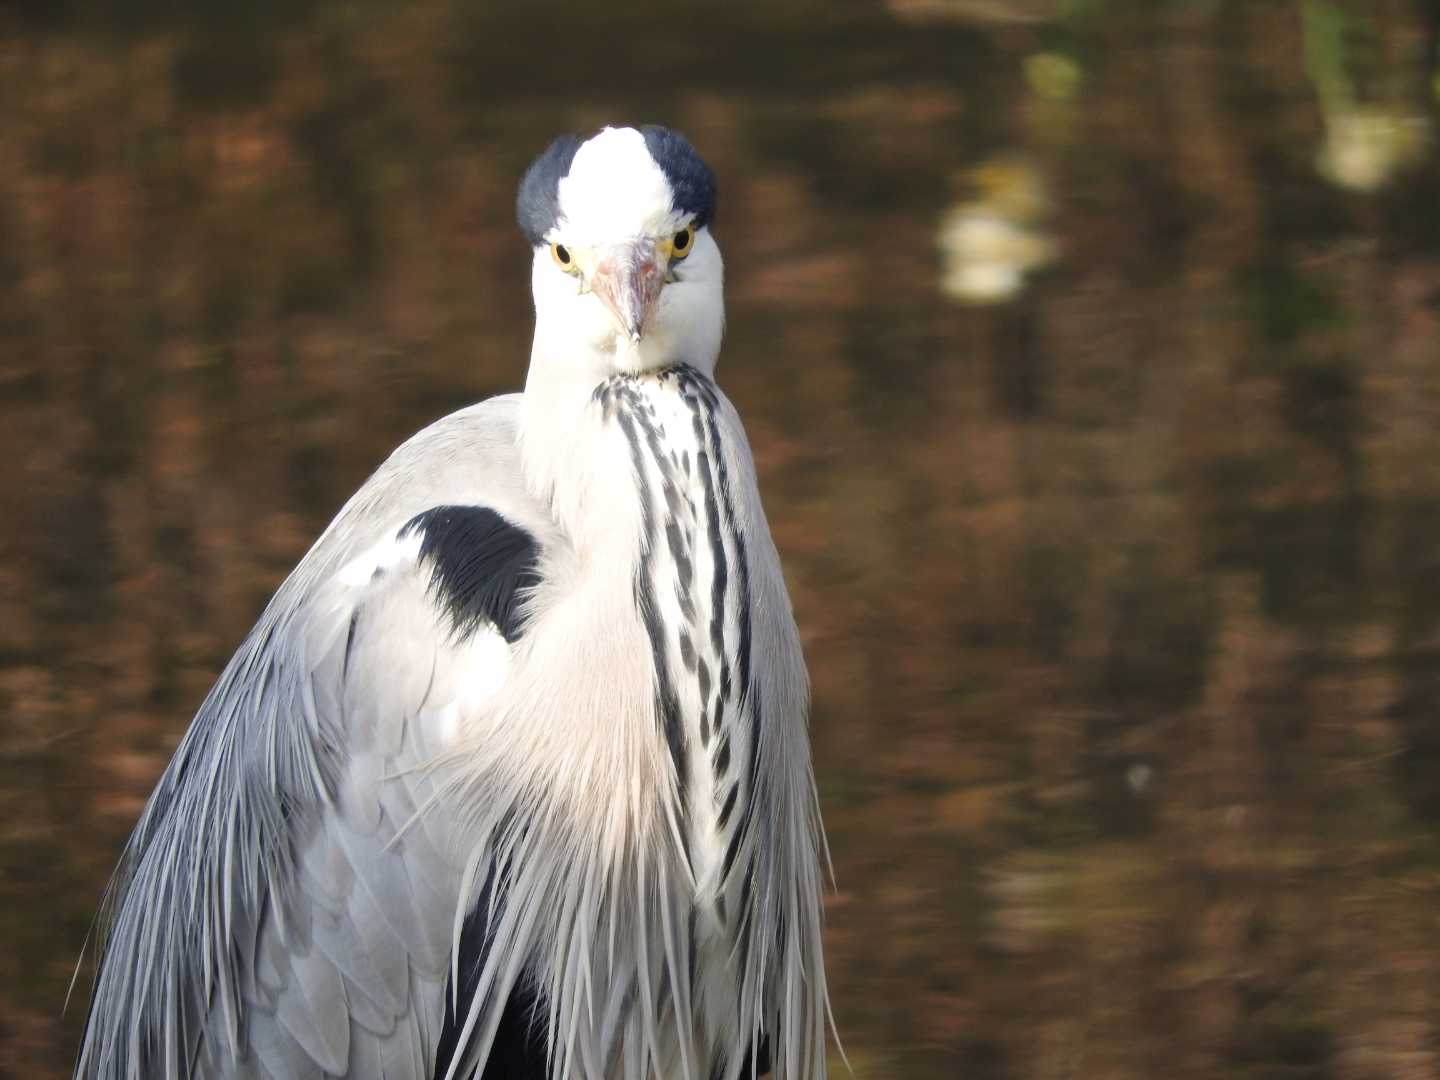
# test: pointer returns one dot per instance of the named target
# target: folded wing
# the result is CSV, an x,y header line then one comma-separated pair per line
x,y
287,904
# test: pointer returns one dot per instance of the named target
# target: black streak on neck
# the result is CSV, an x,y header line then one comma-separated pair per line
x,y
631,416
620,399
704,402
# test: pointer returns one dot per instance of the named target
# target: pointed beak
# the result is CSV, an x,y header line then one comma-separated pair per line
x,y
628,278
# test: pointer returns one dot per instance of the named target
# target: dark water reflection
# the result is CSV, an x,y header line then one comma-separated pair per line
x,y
1089,351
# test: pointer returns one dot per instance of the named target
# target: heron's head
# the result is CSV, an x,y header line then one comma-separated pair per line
x,y
626,272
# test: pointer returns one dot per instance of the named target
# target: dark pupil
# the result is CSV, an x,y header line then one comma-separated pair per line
x,y
561,253
682,238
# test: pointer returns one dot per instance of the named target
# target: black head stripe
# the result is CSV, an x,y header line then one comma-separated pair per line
x,y
690,178
537,206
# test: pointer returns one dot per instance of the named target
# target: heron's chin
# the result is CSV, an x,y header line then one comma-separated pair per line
x,y
653,351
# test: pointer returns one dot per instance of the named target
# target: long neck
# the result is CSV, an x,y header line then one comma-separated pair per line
x,y
677,585
640,475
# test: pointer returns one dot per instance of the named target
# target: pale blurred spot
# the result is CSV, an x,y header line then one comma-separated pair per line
x,y
987,256
1364,148
1138,777
991,242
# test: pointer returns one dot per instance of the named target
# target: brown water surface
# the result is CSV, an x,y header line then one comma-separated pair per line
x,y
1089,352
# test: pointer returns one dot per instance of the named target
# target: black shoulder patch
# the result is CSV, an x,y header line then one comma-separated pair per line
x,y
519,1051
537,205
480,565
690,178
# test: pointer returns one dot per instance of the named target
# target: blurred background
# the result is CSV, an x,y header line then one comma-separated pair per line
x,y
1090,350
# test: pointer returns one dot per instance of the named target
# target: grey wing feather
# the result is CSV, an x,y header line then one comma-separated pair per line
x,y
278,912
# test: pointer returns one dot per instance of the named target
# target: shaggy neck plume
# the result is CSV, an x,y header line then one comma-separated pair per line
x,y
692,591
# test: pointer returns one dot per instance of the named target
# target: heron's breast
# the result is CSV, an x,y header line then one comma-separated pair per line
x,y
692,591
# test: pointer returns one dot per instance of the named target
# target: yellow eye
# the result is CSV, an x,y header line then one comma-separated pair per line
x,y
682,242
563,257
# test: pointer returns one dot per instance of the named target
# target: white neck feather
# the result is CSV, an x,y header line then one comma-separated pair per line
x,y
574,465
581,464
574,462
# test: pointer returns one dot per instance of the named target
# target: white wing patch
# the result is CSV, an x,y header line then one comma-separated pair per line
x,y
483,664
390,552
483,668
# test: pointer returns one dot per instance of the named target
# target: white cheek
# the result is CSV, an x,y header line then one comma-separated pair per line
x,y
574,326
691,319
563,311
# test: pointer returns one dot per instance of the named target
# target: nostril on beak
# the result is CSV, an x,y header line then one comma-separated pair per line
x,y
627,279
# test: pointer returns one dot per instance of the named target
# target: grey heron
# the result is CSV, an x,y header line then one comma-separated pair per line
x,y
512,777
